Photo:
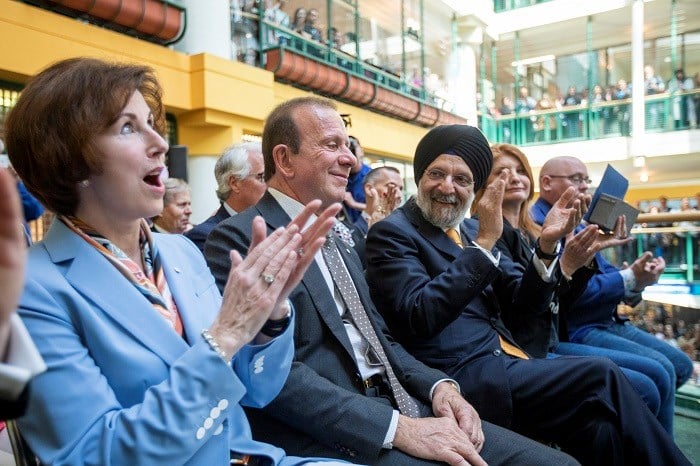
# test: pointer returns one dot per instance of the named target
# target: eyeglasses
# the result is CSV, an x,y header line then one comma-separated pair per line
x,y
575,179
462,181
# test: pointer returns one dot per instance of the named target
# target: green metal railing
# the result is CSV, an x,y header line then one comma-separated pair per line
x,y
663,112
273,36
678,245
507,5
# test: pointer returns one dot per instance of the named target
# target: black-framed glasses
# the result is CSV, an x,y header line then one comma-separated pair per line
x,y
575,179
438,175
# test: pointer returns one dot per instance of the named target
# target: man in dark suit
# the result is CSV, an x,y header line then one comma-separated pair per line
x,y
353,392
240,180
443,289
19,358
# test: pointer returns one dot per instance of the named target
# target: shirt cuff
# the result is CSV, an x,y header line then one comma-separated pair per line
x,y
391,433
452,381
495,260
22,361
628,280
546,273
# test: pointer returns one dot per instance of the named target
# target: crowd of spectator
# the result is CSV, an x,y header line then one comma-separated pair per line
x,y
610,107
305,23
655,319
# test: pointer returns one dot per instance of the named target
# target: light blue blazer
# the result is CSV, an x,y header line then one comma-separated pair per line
x,y
121,387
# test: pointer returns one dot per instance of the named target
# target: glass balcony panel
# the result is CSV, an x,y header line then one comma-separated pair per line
x,y
380,34
245,32
342,37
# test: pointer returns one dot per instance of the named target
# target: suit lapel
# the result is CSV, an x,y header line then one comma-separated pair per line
x,y
221,214
313,280
101,283
183,287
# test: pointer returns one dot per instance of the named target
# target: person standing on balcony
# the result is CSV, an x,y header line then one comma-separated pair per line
x,y
653,84
623,92
571,118
525,105
593,318
683,105
310,25
275,14
507,108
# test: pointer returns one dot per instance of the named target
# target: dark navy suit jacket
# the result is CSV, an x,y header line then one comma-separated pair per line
x,y
198,234
447,305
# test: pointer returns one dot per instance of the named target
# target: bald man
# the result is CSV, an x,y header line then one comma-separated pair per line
x,y
593,319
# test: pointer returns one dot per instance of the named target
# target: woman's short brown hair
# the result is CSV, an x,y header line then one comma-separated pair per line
x,y
50,132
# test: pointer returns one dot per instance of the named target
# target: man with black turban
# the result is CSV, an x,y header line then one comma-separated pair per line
x,y
442,288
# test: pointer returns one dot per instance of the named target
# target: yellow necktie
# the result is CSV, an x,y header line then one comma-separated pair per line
x,y
512,349
508,348
455,236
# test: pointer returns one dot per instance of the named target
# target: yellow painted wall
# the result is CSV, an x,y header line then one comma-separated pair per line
x,y
671,192
215,100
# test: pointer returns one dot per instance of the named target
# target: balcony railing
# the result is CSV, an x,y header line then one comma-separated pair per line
x,y
507,5
330,71
675,236
159,21
663,112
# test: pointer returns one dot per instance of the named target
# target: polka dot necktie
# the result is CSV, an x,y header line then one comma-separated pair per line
x,y
341,278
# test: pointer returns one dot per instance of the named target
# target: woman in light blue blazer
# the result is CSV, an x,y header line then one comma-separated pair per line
x,y
147,363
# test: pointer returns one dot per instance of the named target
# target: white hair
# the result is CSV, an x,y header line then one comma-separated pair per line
x,y
233,162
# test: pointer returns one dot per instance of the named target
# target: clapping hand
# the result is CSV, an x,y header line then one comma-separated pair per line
x,y
562,218
379,206
258,286
13,253
583,246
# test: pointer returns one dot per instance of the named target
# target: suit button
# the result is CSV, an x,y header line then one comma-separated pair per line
x,y
497,352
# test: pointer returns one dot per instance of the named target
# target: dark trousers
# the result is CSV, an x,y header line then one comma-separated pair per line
x,y
586,406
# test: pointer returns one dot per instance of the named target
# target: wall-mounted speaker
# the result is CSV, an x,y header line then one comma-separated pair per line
x,y
176,161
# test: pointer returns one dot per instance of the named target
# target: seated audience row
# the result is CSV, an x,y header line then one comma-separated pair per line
x,y
294,354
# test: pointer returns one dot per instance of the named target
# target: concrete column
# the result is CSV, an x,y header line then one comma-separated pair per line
x,y
208,28
462,73
638,113
200,171
461,82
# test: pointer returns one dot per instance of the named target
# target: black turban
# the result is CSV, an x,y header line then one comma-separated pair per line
x,y
463,141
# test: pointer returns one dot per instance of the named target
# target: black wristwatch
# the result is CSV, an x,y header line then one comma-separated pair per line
x,y
276,327
543,255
